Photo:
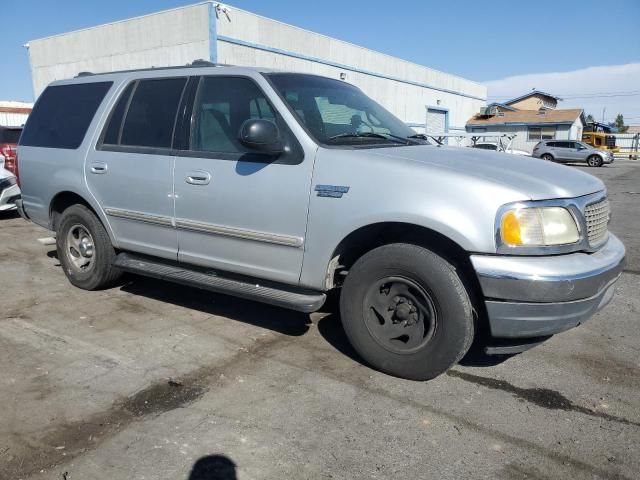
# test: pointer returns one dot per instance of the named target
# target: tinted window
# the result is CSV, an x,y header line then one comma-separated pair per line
x,y
564,145
222,105
10,135
112,134
152,112
62,115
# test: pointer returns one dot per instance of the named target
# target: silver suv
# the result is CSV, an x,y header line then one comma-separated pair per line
x,y
280,187
571,151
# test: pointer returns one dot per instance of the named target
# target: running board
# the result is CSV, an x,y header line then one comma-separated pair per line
x,y
300,300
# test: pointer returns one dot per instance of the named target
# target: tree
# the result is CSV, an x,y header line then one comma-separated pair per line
x,y
619,124
590,119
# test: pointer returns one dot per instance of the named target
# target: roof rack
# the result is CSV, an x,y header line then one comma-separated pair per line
x,y
198,63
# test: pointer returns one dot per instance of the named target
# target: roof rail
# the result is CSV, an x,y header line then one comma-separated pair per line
x,y
199,63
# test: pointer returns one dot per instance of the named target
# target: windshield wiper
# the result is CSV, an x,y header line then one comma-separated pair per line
x,y
385,136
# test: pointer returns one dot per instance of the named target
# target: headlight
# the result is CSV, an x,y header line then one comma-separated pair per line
x,y
538,227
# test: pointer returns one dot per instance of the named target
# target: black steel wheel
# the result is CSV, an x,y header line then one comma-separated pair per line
x,y
406,311
400,314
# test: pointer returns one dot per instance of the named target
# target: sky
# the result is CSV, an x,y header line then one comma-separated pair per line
x,y
585,51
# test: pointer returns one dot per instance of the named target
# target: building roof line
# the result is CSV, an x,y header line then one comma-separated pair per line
x,y
115,22
530,94
257,46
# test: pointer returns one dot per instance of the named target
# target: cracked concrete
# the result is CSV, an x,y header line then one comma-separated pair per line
x,y
156,381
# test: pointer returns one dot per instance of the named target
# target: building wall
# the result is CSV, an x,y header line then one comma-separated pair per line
x,y
530,103
251,40
233,36
172,37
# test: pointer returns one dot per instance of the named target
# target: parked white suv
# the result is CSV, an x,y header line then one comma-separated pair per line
x,y
9,190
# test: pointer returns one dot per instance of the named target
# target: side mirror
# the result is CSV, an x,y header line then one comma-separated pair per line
x,y
261,135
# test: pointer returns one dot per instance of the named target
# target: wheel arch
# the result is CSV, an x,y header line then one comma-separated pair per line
x,y
65,199
368,237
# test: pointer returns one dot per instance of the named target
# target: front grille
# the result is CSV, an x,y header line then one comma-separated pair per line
x,y
597,218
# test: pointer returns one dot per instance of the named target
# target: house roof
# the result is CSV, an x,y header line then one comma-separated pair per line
x,y
502,105
525,117
531,94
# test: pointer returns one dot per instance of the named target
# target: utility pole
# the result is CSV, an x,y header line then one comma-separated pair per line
x,y
603,110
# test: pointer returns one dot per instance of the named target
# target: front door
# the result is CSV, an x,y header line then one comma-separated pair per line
x,y
131,172
238,210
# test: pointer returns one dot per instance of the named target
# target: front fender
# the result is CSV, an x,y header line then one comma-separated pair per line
x,y
459,207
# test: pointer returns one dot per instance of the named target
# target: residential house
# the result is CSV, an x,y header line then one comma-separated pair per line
x,y
531,117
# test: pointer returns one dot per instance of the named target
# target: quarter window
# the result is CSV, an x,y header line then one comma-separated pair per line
x,y
150,118
62,115
222,105
541,133
112,134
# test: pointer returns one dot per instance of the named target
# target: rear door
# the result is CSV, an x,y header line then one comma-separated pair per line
x,y
131,171
567,151
238,210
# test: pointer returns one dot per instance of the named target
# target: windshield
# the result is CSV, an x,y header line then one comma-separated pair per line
x,y
338,114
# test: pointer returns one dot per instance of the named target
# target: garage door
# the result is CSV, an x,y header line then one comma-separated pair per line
x,y
436,121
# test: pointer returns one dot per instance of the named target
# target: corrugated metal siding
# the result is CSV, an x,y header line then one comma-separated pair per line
x,y
13,119
172,37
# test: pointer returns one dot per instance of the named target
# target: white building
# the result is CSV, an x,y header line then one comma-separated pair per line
x,y
531,117
222,34
14,114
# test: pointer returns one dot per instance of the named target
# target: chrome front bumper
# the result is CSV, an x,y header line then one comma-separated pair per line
x,y
538,296
8,197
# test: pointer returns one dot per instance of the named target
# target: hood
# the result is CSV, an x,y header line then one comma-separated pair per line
x,y
536,179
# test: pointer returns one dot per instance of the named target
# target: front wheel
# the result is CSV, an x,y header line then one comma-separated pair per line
x,y
594,161
406,311
84,249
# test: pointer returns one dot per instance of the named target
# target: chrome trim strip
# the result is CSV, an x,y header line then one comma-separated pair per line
x,y
139,216
557,278
183,224
285,240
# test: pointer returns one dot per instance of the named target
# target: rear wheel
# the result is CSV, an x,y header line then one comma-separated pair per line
x,y
547,157
594,161
84,249
406,311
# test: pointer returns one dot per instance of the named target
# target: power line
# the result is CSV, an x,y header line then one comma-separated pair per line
x,y
619,93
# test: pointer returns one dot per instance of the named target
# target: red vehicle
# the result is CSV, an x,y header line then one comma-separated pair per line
x,y
9,137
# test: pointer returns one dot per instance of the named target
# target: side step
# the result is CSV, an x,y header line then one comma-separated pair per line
x,y
267,292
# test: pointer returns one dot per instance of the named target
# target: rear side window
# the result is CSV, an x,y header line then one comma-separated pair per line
x,y
62,115
151,116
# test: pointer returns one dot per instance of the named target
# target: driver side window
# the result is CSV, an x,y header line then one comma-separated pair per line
x,y
222,105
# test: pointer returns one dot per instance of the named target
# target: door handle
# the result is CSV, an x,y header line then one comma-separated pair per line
x,y
98,168
198,177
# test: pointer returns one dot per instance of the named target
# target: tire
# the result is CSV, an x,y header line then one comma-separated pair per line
x,y
419,345
84,249
594,161
547,157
